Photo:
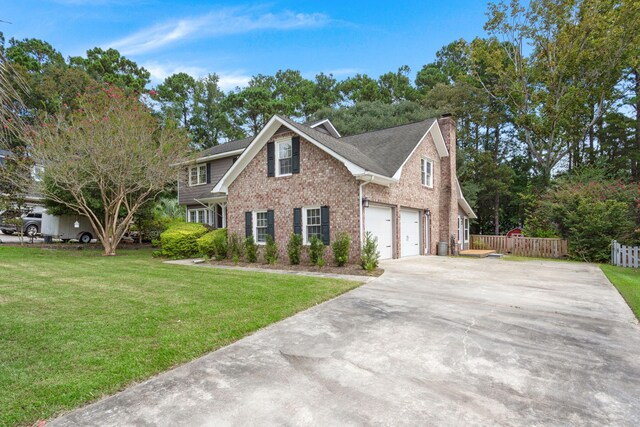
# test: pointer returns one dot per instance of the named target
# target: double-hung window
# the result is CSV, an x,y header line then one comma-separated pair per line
x,y
260,226
311,221
198,175
284,165
198,215
426,172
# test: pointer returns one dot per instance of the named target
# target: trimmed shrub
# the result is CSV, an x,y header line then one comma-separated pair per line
x,y
236,248
370,255
214,244
251,249
181,240
271,250
316,251
341,246
294,247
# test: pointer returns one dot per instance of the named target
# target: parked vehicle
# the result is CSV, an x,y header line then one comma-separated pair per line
x,y
67,227
31,224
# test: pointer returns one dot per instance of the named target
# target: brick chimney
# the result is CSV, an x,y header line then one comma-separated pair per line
x,y
449,205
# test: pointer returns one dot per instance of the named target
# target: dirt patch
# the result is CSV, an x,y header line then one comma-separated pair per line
x,y
350,269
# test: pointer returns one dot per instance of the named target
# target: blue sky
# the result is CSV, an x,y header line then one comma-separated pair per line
x,y
237,40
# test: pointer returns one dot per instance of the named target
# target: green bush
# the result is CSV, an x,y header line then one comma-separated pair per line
x,y
271,250
214,244
236,248
592,226
251,249
341,246
316,250
588,210
181,240
294,247
370,255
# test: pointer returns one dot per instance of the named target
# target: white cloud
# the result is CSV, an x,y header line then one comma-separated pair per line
x,y
228,80
215,24
159,71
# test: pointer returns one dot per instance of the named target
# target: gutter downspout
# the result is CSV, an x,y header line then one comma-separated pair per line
x,y
362,212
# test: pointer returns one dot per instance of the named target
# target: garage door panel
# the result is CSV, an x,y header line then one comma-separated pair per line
x,y
409,232
378,221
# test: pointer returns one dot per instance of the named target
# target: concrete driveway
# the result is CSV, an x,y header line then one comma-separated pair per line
x,y
434,341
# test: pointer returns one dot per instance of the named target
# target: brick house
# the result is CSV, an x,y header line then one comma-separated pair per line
x,y
398,183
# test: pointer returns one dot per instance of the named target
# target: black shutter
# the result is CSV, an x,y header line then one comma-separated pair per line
x,y
270,225
248,226
271,159
295,154
324,224
297,221
208,173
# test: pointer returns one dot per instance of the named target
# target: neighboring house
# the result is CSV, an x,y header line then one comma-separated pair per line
x,y
33,200
398,183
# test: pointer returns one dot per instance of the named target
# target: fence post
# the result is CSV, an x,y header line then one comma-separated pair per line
x,y
613,252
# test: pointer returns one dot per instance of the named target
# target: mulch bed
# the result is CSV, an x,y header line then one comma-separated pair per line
x,y
75,246
350,269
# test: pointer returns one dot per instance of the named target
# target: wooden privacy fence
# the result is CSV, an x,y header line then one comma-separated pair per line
x,y
521,246
625,256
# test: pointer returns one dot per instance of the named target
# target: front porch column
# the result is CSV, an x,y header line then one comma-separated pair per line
x,y
224,214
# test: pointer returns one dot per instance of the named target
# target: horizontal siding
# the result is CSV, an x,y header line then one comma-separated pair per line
x,y
187,195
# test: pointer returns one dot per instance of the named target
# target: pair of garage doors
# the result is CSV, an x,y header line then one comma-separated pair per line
x,y
379,221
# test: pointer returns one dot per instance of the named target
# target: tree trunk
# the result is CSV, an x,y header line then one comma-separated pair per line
x,y
496,215
635,160
496,146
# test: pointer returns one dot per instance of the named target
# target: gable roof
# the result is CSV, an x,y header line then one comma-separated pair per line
x,y
381,163
326,125
238,144
391,147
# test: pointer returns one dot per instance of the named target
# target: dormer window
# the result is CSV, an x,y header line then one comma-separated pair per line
x,y
198,175
283,157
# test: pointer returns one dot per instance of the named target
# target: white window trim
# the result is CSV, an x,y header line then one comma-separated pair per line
x,y
465,229
305,241
277,144
191,168
199,212
422,175
254,225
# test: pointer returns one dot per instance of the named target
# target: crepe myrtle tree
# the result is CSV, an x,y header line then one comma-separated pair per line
x,y
106,159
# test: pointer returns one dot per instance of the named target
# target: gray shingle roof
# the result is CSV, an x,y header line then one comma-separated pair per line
x,y
382,151
238,144
390,147
347,151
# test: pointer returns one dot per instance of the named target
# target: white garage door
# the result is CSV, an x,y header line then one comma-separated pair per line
x,y
377,220
410,233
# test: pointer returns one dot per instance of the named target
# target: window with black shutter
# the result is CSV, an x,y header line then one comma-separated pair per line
x,y
295,154
248,224
271,159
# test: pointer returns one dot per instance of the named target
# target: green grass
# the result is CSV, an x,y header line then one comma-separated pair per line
x,y
76,326
627,281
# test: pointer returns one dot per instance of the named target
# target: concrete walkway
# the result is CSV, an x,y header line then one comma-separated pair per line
x,y
434,341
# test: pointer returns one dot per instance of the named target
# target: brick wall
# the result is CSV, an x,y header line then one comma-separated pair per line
x,y
322,181
410,193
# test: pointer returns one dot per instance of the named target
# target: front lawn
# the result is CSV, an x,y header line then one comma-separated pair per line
x,y
76,326
627,281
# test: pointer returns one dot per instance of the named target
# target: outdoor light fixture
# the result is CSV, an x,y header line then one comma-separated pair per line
x,y
365,202
427,212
